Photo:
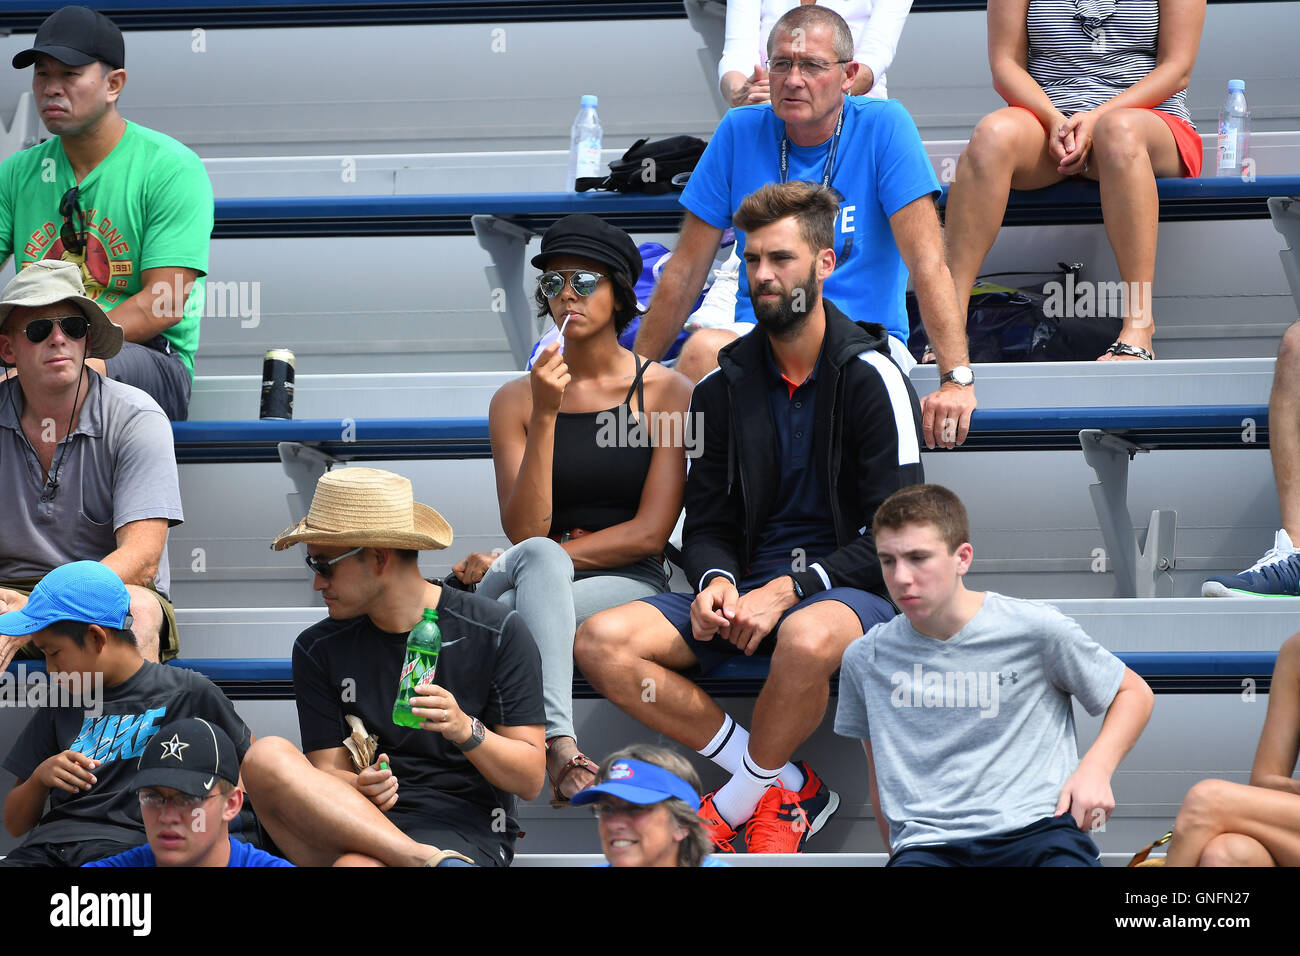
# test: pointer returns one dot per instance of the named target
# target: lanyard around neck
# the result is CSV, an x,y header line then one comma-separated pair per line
x,y
830,155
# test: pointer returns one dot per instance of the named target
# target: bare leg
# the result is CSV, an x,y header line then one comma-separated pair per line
x,y
1284,417
1008,149
315,817
630,654
1130,148
699,355
147,616
1213,808
790,707
1235,849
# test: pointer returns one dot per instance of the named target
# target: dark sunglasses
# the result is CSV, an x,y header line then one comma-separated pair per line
x,y
73,326
584,283
73,236
325,568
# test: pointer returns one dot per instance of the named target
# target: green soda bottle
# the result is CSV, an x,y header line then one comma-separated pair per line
x,y
422,647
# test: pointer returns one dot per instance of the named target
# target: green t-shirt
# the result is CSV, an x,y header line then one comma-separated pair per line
x,y
146,206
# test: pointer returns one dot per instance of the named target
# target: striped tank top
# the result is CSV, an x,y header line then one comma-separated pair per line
x,y
1083,52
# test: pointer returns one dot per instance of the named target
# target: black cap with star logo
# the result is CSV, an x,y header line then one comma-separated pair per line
x,y
188,755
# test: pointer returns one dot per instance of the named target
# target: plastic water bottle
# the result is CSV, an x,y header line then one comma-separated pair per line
x,y
423,645
1234,131
584,143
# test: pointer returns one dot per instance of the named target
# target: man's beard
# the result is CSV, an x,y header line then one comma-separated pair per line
x,y
785,318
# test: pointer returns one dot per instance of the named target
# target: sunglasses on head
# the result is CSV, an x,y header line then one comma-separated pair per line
x,y
73,236
325,567
73,326
584,282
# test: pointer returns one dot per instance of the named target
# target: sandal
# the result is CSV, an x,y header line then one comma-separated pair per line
x,y
578,761
1137,351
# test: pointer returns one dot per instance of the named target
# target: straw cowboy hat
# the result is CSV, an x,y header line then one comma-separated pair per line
x,y
47,281
366,507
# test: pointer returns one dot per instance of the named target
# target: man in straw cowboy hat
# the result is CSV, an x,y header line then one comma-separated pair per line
x,y
87,462
453,782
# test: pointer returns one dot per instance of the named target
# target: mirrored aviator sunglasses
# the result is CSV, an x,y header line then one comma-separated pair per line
x,y
73,326
584,282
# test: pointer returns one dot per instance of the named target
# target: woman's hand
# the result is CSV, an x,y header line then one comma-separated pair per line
x,y
472,569
1074,137
548,380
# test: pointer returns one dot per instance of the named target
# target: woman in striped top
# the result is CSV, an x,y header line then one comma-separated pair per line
x,y
1095,88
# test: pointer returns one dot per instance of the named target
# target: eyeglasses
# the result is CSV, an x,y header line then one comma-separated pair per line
x,y
610,810
73,326
181,801
584,283
73,236
811,69
326,568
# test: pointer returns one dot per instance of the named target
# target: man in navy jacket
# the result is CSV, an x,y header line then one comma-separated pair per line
x,y
807,426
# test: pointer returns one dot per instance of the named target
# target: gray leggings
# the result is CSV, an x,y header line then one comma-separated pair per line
x,y
533,577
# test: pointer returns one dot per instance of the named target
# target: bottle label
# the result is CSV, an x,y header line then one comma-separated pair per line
x,y
588,158
1227,146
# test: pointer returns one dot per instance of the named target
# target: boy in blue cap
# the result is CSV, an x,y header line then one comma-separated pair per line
x,y
188,786
82,759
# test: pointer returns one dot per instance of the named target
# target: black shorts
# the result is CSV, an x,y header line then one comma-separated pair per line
x,y
66,854
871,610
485,849
1052,841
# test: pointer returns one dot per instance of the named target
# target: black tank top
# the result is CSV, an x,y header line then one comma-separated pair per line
x,y
598,470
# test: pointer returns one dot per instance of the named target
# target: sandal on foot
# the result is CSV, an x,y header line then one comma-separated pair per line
x,y
578,761
1137,351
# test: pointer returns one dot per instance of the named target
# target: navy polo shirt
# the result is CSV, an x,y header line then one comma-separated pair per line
x,y
798,528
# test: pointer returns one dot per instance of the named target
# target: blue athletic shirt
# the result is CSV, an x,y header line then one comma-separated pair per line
x,y
880,167
241,854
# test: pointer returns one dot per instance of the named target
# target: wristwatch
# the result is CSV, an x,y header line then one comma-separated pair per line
x,y
961,374
476,734
798,588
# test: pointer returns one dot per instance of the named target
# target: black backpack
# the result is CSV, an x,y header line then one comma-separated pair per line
x,y
652,168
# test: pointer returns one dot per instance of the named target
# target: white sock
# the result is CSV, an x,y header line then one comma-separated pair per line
x,y
727,748
792,778
737,799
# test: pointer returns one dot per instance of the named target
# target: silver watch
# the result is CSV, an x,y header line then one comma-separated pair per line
x,y
961,374
476,734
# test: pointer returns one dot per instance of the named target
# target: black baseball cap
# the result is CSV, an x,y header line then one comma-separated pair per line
x,y
76,36
187,755
591,237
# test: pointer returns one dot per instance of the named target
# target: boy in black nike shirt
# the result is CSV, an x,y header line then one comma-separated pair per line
x,y
83,757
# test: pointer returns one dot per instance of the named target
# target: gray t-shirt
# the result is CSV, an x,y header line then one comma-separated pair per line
x,y
974,735
119,467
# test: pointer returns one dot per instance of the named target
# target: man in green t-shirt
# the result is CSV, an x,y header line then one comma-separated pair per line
x,y
131,206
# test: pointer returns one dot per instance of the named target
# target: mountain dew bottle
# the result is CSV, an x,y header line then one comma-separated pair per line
x,y
422,647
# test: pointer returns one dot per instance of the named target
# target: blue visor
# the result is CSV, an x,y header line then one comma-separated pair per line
x,y
638,782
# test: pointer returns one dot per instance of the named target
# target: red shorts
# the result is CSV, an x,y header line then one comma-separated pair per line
x,y
1186,139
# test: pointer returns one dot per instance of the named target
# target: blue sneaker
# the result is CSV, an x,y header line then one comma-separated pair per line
x,y
1276,574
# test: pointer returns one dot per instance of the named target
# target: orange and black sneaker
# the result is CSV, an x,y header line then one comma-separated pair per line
x,y
719,830
818,800
779,825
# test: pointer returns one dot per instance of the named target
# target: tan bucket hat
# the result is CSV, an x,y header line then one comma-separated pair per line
x,y
47,281
366,507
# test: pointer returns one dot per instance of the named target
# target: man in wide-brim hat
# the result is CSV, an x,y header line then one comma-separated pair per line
x,y
87,462
392,794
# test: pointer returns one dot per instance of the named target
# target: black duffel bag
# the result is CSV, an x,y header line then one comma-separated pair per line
x,y
655,168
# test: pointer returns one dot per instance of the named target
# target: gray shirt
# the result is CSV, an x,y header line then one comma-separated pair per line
x,y
974,735
119,467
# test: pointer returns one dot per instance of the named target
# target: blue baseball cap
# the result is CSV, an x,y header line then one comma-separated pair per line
x,y
638,782
83,591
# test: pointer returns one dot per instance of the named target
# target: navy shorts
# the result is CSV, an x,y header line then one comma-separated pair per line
x,y
1052,841
871,610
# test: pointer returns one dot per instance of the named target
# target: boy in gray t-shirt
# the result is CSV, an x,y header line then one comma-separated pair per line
x,y
963,705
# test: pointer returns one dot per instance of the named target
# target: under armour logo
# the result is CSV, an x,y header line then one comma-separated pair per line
x,y
1014,678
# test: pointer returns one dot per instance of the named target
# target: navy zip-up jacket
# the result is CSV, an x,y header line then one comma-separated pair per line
x,y
868,431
